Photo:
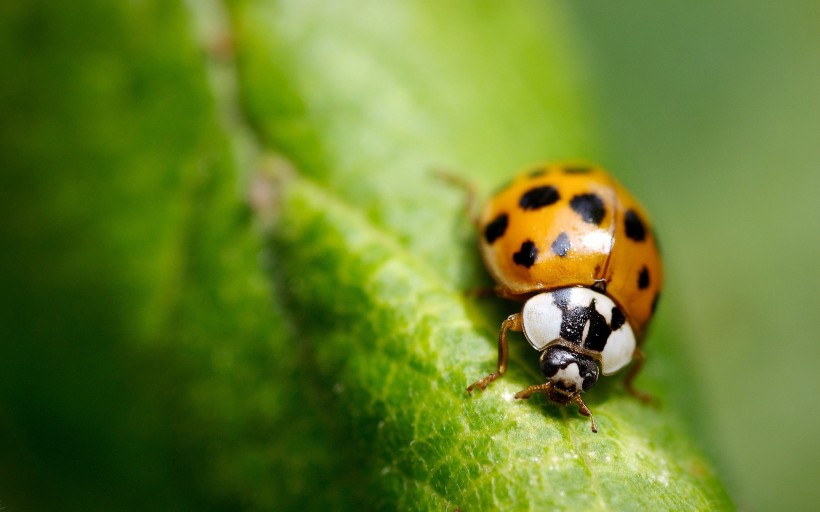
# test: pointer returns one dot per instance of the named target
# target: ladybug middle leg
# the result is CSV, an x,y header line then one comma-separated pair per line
x,y
640,359
513,322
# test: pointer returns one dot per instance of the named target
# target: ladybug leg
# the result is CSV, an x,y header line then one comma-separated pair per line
x,y
584,410
480,293
505,293
524,394
496,291
512,322
630,377
466,186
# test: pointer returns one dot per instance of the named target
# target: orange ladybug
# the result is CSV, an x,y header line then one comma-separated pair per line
x,y
579,251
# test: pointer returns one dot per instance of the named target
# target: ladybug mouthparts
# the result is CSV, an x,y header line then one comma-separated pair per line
x,y
569,372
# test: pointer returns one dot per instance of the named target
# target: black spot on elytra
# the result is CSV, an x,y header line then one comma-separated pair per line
x,y
590,207
535,173
561,245
618,319
496,228
643,279
634,226
526,255
539,197
655,302
578,169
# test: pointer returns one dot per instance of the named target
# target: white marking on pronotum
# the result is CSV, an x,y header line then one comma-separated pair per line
x,y
618,350
585,334
542,321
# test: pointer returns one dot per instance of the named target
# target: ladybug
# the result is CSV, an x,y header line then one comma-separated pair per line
x,y
578,250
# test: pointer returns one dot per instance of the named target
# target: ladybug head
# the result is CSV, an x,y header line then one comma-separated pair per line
x,y
569,372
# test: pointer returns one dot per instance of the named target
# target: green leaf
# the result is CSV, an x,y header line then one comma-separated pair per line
x,y
146,361
372,254
397,345
104,130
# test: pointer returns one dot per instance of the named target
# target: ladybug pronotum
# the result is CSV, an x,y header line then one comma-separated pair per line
x,y
578,250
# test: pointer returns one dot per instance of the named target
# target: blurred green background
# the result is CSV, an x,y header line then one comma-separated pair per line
x,y
708,112
712,112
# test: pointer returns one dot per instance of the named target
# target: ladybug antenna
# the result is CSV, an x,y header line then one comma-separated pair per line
x,y
526,393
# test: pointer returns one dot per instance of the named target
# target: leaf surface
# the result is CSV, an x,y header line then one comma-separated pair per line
x,y
372,254
160,353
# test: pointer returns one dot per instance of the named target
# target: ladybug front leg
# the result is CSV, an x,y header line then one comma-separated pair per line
x,y
639,358
584,410
513,322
